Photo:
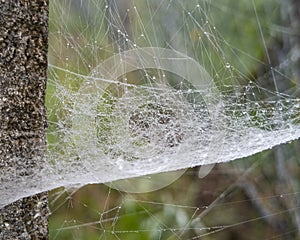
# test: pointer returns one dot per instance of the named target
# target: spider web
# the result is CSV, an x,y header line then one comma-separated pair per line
x,y
139,93
137,88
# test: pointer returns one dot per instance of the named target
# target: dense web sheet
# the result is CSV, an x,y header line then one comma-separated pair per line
x,y
148,87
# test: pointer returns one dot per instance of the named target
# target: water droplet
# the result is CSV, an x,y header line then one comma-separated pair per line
x,y
120,163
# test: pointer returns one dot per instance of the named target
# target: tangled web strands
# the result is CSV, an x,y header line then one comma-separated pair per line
x,y
128,97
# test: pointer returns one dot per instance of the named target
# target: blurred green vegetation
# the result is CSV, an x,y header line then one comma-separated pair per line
x,y
226,36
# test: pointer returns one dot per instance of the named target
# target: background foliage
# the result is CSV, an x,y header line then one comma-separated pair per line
x,y
252,198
